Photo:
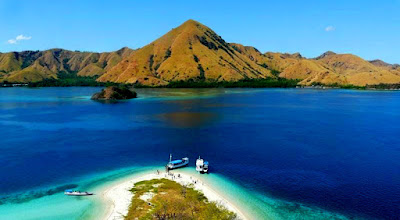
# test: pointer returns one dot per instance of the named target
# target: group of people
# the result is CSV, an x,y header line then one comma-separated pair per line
x,y
170,174
173,177
194,181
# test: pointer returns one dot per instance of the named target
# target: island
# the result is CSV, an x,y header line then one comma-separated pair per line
x,y
169,195
115,93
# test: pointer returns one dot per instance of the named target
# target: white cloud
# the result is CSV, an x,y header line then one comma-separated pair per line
x,y
330,28
22,37
12,41
19,38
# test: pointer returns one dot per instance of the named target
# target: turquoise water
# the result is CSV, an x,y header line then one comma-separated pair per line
x,y
278,153
58,206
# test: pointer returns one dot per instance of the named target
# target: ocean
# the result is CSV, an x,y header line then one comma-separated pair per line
x,y
283,153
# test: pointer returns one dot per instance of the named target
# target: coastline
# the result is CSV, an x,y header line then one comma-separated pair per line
x,y
117,197
243,201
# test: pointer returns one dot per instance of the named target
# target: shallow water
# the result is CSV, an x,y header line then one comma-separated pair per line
x,y
283,149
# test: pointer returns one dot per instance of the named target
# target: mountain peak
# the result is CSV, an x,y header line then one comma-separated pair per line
x,y
192,26
327,53
380,63
191,51
191,22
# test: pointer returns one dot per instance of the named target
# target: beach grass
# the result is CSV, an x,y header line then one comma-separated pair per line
x,y
166,199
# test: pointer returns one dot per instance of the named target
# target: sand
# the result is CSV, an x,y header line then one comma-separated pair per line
x,y
118,197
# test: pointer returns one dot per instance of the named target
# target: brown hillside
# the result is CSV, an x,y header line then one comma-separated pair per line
x,y
190,51
357,71
393,68
380,63
332,68
280,61
32,66
251,52
193,51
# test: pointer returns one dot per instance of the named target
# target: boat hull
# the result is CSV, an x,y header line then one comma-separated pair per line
x,y
201,166
172,167
78,194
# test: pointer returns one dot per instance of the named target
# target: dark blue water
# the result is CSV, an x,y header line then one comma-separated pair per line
x,y
335,149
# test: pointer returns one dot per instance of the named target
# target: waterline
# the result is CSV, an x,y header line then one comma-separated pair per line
x,y
58,206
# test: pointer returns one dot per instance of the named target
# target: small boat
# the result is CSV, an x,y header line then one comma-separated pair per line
x,y
205,167
76,193
174,164
201,165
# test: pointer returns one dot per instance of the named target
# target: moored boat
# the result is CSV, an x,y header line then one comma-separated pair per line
x,y
174,164
201,165
205,167
76,193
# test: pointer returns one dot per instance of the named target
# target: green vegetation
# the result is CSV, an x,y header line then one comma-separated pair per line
x,y
170,200
381,86
151,62
246,83
336,85
264,65
202,74
349,86
275,72
384,86
196,59
167,53
209,44
66,80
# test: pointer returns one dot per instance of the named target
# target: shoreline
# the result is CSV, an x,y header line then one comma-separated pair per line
x,y
117,197
322,87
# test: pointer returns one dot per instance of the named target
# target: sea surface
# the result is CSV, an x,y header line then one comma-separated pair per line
x,y
281,153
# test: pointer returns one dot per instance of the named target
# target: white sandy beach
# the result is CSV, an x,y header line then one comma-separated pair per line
x,y
118,197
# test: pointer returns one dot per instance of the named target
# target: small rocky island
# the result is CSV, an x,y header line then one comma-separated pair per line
x,y
113,93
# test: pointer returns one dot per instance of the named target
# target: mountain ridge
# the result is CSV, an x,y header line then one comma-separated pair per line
x,y
194,52
33,66
191,51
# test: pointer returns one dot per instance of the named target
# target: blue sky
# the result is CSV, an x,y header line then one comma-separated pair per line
x,y
370,29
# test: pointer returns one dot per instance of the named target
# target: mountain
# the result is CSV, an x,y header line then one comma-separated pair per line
x,y
32,66
330,68
357,71
380,63
191,51
194,52
395,68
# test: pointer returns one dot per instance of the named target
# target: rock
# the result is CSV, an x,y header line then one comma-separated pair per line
x,y
114,93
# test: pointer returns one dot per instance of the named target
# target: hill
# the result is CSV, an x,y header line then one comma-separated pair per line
x,y
33,66
191,51
194,53
329,68
167,199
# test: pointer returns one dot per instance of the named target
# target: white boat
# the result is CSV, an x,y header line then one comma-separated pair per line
x,y
173,164
76,193
201,165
